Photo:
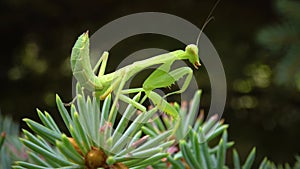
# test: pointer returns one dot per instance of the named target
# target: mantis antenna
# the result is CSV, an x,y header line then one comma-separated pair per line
x,y
207,20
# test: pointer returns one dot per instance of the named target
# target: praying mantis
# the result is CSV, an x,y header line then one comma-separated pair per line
x,y
103,84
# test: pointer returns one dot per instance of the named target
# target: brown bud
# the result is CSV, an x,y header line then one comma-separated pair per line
x,y
95,158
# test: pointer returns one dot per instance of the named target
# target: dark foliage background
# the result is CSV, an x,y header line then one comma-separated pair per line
x,y
37,37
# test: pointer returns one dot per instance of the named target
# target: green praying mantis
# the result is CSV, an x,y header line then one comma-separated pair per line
x,y
103,84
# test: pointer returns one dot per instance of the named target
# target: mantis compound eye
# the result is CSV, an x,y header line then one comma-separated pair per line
x,y
192,51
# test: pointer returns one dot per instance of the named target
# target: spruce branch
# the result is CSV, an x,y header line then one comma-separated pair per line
x,y
93,141
11,148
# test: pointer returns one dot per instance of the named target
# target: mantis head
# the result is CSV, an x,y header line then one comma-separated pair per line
x,y
192,52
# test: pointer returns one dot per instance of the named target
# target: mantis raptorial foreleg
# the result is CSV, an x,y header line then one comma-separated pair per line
x,y
179,73
162,78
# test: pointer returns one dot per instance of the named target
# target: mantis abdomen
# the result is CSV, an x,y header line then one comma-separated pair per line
x,y
80,64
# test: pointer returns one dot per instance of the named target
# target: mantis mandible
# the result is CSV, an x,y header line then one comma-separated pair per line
x,y
103,84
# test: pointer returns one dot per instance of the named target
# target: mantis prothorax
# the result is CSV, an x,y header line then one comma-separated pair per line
x,y
103,84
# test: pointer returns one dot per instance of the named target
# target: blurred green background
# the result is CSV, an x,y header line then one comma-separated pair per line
x,y
263,104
